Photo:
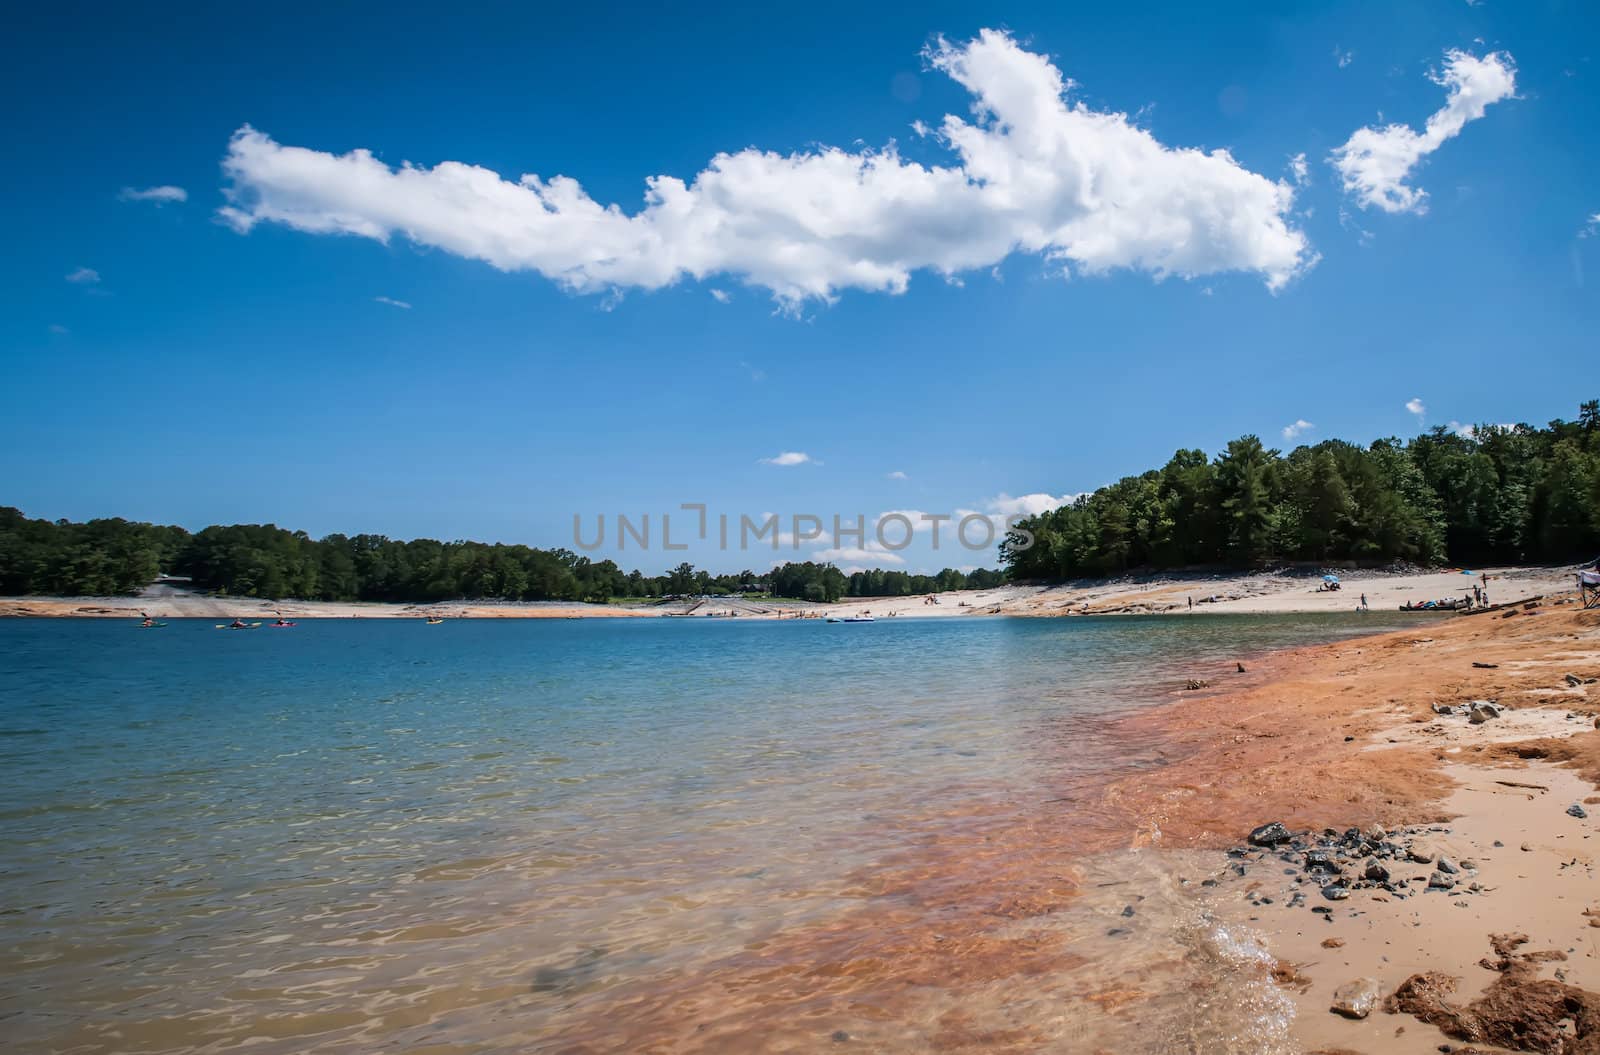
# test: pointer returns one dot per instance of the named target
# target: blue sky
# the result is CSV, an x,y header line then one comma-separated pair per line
x,y
216,371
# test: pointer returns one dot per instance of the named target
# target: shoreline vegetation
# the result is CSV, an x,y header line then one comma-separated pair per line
x,y
1485,494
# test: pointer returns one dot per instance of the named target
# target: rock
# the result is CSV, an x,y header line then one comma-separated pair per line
x,y
1444,864
1480,711
1335,893
1322,861
1194,684
1485,666
1270,835
1440,881
1442,708
1574,680
1421,853
1127,911
1577,811
1377,833
1376,872
1333,943
1356,999
840,1036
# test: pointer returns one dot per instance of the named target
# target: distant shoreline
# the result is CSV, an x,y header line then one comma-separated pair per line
x,y
1248,593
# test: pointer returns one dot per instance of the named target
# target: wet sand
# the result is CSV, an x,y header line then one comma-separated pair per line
x,y
1108,916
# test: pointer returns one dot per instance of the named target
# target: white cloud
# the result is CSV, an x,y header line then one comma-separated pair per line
x,y
897,475
84,276
872,552
1300,169
790,458
1033,172
1300,425
1591,228
1375,162
1415,406
1343,58
721,296
160,195
1004,505
393,303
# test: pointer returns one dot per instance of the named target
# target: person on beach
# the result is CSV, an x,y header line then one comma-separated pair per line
x,y
1363,602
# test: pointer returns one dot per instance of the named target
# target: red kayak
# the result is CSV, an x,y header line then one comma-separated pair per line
x,y
281,625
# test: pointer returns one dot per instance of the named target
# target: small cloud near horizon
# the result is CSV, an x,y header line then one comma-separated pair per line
x,y
897,475
393,303
84,276
1300,425
786,458
1415,406
721,296
161,195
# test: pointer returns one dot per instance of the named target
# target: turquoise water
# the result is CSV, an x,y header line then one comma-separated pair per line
x,y
515,835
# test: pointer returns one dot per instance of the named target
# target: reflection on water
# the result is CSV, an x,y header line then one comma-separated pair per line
x,y
580,836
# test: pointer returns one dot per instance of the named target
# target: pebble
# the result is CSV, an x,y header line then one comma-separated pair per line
x,y
1270,834
1356,999
1577,811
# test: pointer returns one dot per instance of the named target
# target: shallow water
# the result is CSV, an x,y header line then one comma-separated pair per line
x,y
586,836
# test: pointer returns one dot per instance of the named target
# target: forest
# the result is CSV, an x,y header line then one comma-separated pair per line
x,y
1485,494
114,556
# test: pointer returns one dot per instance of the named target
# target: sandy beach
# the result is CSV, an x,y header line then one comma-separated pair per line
x,y
1484,833
1257,593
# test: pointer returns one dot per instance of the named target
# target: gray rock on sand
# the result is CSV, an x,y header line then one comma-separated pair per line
x,y
1376,871
1270,835
1577,811
1440,881
1444,864
1356,999
1481,711
1574,680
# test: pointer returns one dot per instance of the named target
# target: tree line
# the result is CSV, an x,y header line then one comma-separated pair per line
x,y
115,556
1501,494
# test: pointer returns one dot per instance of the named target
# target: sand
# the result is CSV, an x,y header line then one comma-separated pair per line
x,y
1247,593
1494,796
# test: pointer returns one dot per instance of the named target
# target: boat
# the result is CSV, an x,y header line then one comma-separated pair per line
x,y
156,625
858,619
834,619
238,626
283,624
434,620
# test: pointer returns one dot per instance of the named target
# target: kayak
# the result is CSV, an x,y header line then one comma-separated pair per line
x,y
150,626
282,626
247,626
435,622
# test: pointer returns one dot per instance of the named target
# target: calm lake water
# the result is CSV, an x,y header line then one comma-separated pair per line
x,y
549,835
